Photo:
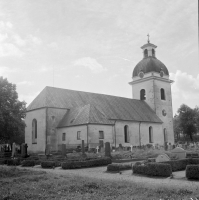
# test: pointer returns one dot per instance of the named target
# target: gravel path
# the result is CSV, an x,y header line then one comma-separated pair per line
x,y
178,182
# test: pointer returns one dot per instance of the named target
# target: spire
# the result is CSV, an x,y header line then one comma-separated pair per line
x,y
148,38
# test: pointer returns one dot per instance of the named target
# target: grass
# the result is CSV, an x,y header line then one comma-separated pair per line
x,y
27,184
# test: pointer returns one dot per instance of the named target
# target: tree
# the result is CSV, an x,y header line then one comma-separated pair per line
x,y
176,127
187,121
12,112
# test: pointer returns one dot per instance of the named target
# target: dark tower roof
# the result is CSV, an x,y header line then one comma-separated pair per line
x,y
150,64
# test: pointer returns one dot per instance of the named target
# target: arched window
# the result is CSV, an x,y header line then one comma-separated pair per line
x,y
34,131
126,134
162,94
145,53
63,136
150,134
142,94
153,52
165,135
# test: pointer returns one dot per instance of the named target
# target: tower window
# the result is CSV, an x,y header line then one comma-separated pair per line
x,y
165,135
150,134
142,94
162,94
153,52
126,134
34,131
145,53
63,136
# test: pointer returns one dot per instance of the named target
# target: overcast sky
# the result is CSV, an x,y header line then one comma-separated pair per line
x,y
94,45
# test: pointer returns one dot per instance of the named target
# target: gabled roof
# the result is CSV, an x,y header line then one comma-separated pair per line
x,y
114,108
87,114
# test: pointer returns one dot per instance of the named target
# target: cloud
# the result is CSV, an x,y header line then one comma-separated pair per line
x,y
90,63
27,83
4,71
185,89
28,98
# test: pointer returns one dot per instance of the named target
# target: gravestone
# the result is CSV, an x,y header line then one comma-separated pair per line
x,y
63,149
83,149
24,148
97,149
131,148
179,152
13,150
107,149
47,152
162,158
165,146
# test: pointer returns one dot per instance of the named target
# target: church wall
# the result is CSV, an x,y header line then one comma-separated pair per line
x,y
93,134
167,106
71,136
157,131
138,131
40,116
54,117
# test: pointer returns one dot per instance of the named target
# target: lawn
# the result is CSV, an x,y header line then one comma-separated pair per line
x,y
26,184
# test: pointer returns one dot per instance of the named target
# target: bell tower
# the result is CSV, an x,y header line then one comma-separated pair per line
x,y
151,84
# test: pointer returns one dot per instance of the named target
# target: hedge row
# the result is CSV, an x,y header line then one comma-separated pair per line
x,y
86,163
118,167
28,163
153,169
14,162
49,164
178,165
192,171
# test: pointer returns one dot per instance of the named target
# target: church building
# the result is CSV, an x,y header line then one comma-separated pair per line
x,y
61,116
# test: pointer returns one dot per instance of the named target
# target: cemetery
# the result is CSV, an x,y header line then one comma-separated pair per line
x,y
151,160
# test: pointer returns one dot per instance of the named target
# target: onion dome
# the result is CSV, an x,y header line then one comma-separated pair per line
x,y
150,63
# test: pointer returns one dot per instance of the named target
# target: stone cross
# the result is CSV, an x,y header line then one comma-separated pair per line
x,y
131,148
97,148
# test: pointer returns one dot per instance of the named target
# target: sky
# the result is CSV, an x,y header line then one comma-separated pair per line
x,y
94,45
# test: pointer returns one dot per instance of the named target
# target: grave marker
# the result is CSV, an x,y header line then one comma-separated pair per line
x,y
107,149
179,152
162,158
97,148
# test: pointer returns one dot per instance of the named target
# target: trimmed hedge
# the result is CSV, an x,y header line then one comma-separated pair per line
x,y
28,163
49,164
153,169
2,161
192,171
178,165
86,163
118,167
13,162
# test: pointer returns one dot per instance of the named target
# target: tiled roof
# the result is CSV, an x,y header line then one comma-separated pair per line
x,y
111,106
84,115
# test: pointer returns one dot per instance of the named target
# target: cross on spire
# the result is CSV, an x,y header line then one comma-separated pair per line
x,y
148,38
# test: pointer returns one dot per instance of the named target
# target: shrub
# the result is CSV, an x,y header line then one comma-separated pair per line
x,y
153,169
2,161
86,163
178,165
49,164
37,162
118,167
192,171
194,161
28,163
13,162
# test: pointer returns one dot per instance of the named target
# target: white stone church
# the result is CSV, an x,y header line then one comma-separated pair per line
x,y
61,116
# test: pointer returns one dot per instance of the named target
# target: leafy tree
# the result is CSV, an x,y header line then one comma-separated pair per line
x,y
12,112
176,127
187,121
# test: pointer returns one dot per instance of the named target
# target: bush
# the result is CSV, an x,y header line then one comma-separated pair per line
x,y
118,167
194,161
153,169
86,163
28,163
13,162
2,161
37,162
192,171
178,165
49,164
